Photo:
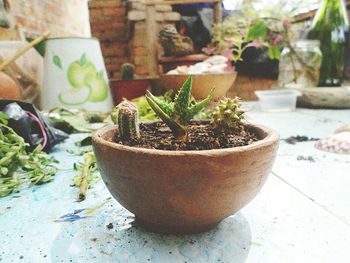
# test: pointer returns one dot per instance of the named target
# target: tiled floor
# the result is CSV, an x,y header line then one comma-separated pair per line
x,y
301,215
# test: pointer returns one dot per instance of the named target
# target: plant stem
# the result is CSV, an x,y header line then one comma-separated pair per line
x,y
84,184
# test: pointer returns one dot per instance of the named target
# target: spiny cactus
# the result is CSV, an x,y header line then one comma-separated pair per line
x,y
127,71
125,115
228,115
177,114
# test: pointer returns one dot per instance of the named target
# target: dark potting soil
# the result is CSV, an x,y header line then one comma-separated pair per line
x,y
200,137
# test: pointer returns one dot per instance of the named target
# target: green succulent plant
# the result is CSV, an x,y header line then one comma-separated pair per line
x,y
125,115
178,113
228,115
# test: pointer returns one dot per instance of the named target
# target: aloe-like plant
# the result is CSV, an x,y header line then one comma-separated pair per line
x,y
125,115
178,113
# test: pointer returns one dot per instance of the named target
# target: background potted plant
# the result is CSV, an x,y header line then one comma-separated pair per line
x,y
258,41
185,176
236,34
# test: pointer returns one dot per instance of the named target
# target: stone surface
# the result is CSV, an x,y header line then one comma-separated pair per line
x,y
172,16
138,6
141,60
159,17
140,26
164,8
140,35
136,15
337,97
345,128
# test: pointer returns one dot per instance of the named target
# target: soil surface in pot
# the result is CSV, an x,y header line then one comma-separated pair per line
x,y
200,137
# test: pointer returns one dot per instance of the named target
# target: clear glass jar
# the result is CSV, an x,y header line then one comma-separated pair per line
x,y
300,65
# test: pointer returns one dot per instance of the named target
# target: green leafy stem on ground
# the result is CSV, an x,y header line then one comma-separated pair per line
x,y
17,166
87,176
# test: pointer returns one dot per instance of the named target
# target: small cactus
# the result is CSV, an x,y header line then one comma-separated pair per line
x,y
178,114
125,115
228,115
127,71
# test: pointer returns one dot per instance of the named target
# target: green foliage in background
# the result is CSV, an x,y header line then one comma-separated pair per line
x,y
236,33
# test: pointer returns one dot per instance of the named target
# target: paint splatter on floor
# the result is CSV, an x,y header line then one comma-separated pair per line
x,y
72,217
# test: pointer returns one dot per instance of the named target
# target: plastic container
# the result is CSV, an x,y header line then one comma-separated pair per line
x,y
277,100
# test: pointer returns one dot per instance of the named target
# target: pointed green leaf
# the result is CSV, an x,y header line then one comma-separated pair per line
x,y
176,128
83,60
165,106
196,108
183,98
57,61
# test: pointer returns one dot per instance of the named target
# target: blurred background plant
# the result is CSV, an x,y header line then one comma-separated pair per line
x,y
262,28
236,33
256,23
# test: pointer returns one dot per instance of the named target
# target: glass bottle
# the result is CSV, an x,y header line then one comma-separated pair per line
x,y
330,27
300,65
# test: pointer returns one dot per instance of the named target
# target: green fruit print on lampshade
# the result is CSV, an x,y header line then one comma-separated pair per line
x,y
74,96
98,85
78,70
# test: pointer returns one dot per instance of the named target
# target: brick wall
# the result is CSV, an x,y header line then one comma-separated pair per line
x,y
109,24
120,26
61,17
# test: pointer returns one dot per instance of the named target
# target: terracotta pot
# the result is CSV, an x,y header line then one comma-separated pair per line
x,y
184,191
202,84
129,89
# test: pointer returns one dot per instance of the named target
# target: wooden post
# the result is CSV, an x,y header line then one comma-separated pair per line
x,y
152,33
217,12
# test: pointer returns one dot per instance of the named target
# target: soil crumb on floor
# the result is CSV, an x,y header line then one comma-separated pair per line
x,y
200,137
299,138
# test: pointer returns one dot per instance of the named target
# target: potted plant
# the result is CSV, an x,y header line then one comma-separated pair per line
x,y
235,35
128,87
179,175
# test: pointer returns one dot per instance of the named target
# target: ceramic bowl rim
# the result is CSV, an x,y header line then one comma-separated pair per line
x,y
271,138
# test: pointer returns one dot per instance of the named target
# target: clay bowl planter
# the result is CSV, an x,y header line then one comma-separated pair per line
x,y
184,191
202,84
128,89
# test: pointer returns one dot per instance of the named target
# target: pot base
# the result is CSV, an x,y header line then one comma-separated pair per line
x,y
168,229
